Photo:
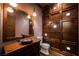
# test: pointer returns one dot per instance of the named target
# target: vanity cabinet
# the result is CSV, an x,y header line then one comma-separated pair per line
x,y
18,49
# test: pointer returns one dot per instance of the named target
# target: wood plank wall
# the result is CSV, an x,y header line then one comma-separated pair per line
x,y
66,34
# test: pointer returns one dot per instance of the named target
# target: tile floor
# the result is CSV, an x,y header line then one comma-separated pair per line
x,y
57,52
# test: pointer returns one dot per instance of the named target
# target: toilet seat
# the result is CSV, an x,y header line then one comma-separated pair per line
x,y
45,45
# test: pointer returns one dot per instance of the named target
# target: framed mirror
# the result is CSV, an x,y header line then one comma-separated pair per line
x,y
14,24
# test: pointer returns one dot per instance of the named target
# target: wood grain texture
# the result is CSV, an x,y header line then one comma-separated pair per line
x,y
67,27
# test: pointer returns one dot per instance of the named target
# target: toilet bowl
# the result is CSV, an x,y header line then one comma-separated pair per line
x,y
44,47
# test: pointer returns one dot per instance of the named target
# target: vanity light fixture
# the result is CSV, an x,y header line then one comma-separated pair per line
x,y
10,10
45,34
34,13
13,4
68,14
54,26
68,48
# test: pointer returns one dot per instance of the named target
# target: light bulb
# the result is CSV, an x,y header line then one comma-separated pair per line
x,y
10,10
54,8
49,22
45,34
13,4
29,17
54,26
67,14
34,14
68,48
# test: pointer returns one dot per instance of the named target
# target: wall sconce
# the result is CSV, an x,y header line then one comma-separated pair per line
x,y
54,26
34,13
13,4
68,48
54,8
49,22
45,34
68,14
10,10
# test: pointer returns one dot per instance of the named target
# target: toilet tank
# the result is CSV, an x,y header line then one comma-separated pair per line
x,y
40,38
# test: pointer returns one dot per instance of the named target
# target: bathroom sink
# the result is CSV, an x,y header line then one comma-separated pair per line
x,y
25,41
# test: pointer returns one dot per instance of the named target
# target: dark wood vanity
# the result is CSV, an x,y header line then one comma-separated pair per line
x,y
17,49
11,44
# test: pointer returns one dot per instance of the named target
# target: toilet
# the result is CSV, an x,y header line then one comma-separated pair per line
x,y
44,47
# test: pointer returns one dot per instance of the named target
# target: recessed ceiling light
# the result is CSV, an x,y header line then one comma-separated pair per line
x,y
10,10
68,48
13,4
68,14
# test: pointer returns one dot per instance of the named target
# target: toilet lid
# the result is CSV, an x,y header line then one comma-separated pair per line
x,y
45,44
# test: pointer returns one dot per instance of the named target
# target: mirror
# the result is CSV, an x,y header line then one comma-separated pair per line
x,y
14,24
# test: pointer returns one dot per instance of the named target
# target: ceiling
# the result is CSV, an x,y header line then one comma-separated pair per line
x,y
43,4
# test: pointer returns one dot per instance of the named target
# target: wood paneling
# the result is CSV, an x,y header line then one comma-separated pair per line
x,y
54,8
68,25
66,33
73,14
66,6
56,17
